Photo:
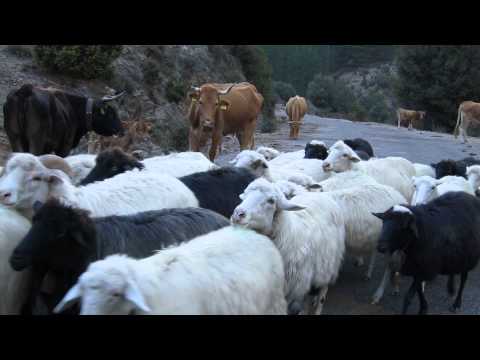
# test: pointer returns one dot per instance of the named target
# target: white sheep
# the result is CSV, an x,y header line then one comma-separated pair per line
x,y
285,158
257,163
358,194
428,188
81,165
424,170
232,271
392,171
124,194
179,164
14,285
473,175
309,232
268,152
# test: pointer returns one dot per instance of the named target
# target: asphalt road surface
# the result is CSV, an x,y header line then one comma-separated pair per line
x,y
351,295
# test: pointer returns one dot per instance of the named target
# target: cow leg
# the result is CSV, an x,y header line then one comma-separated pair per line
x,y
194,143
17,144
409,296
292,131
216,140
464,134
247,141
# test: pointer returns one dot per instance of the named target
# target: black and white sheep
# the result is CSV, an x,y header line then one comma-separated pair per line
x,y
361,146
231,271
451,167
112,162
64,240
441,237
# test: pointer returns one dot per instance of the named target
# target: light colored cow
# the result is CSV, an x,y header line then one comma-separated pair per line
x,y
468,112
296,109
410,117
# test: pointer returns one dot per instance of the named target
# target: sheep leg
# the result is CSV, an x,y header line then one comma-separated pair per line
x,y
321,300
381,288
395,280
458,301
421,297
409,296
451,285
368,275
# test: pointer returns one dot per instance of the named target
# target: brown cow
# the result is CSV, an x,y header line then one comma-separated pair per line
x,y
410,117
223,109
296,109
468,112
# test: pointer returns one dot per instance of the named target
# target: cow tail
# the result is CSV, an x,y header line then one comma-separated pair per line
x,y
459,120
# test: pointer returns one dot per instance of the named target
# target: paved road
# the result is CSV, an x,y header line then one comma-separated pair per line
x,y
351,294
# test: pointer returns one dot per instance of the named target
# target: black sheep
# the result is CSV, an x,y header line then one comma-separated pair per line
x,y
362,147
454,168
110,163
220,189
441,237
63,240
316,150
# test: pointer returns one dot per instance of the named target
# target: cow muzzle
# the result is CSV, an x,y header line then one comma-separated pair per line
x,y
207,125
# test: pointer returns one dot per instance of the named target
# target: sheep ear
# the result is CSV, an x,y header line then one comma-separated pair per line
x,y
54,180
134,295
69,299
314,187
37,206
355,158
287,205
381,216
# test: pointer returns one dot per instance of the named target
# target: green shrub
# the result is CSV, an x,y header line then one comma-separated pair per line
x,y
171,135
176,91
258,71
151,72
24,51
284,90
331,95
81,61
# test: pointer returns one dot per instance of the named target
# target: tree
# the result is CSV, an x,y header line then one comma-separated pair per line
x,y
437,79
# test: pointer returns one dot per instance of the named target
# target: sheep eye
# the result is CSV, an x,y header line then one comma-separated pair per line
x,y
36,178
345,155
117,295
271,201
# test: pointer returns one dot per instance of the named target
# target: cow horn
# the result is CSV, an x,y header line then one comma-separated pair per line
x,y
107,98
195,88
225,92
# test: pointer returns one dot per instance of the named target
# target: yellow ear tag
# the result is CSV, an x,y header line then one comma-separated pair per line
x,y
223,107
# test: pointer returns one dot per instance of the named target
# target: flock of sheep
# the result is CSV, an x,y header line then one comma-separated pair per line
x,y
176,234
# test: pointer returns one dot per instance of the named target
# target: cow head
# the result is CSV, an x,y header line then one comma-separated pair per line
x,y
208,102
105,120
422,114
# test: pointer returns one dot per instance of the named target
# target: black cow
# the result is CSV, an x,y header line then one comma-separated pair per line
x,y
44,121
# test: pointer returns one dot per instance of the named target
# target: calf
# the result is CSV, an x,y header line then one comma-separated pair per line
x,y
410,117
468,113
438,238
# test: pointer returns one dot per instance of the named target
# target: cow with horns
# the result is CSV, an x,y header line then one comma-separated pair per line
x,y
46,120
223,109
